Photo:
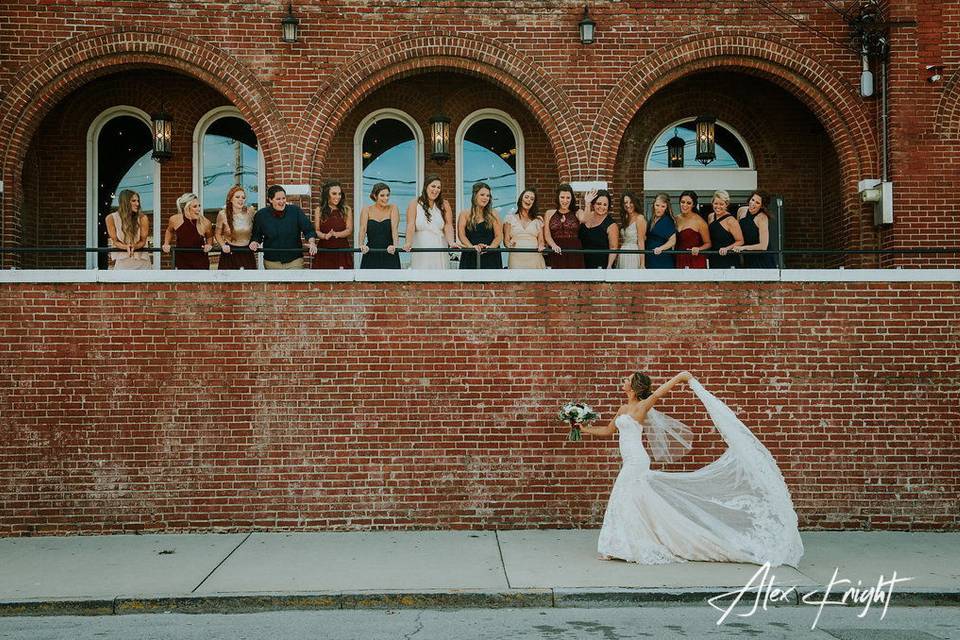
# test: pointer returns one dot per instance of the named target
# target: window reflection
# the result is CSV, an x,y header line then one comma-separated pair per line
x,y
229,157
489,154
730,152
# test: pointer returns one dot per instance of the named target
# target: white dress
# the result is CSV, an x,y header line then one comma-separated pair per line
x,y
525,237
429,234
629,260
736,509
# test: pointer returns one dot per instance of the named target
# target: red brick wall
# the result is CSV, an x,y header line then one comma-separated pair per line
x,y
582,98
154,407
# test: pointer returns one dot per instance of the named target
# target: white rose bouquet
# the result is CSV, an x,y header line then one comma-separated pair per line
x,y
577,414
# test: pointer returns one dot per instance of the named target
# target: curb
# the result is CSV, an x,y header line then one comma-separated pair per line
x,y
526,598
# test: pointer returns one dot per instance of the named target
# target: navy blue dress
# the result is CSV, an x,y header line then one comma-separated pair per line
x,y
659,233
751,235
720,237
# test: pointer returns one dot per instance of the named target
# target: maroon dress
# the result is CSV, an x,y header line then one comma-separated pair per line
x,y
565,230
189,237
687,239
334,222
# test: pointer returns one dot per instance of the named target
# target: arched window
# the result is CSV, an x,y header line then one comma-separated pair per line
x,y
388,148
225,153
489,148
119,149
733,169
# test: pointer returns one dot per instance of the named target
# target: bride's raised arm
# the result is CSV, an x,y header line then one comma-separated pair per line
x,y
664,389
608,430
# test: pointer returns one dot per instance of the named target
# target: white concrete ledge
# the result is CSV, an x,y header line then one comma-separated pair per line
x,y
66,276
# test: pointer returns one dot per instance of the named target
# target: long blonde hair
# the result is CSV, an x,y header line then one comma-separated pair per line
x,y
129,221
481,214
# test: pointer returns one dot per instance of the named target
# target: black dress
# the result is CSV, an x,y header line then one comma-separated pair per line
x,y
596,238
751,235
379,236
480,234
720,237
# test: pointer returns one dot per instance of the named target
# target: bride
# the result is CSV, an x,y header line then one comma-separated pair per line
x,y
736,509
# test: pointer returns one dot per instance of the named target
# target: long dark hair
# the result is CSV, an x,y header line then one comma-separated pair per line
x,y
480,214
325,208
573,197
424,199
624,216
534,211
764,201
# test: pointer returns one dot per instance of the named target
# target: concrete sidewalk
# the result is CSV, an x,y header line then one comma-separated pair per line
x,y
428,569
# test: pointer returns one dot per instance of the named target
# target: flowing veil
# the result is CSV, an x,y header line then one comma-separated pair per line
x,y
737,508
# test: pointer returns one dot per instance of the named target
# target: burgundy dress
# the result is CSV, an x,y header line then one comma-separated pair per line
x,y
189,237
334,222
687,239
565,230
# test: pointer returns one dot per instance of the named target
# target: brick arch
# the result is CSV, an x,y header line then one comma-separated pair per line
x,y
73,63
416,54
820,89
947,122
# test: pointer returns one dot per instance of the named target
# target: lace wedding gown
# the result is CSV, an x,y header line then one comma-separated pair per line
x,y
736,509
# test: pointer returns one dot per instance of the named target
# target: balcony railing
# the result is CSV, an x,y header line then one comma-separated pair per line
x,y
779,254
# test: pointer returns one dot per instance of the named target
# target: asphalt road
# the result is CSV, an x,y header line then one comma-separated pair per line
x,y
900,623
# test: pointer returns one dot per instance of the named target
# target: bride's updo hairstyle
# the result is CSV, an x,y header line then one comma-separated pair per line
x,y
640,383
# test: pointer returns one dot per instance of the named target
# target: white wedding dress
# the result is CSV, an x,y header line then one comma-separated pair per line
x,y
736,509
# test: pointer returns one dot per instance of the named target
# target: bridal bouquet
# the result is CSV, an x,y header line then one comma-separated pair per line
x,y
577,414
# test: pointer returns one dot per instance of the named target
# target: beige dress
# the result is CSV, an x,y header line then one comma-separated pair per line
x,y
122,259
525,237
629,260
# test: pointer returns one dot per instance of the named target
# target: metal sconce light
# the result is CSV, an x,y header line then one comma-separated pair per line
x,y
440,134
706,139
290,25
162,135
587,27
675,147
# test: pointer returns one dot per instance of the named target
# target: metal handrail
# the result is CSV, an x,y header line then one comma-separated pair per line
x,y
501,250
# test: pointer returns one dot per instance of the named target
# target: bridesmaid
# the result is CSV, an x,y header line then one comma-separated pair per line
x,y
662,234
334,224
129,230
724,233
430,226
755,222
634,232
524,230
693,234
234,227
380,229
599,231
192,230
561,230
479,229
